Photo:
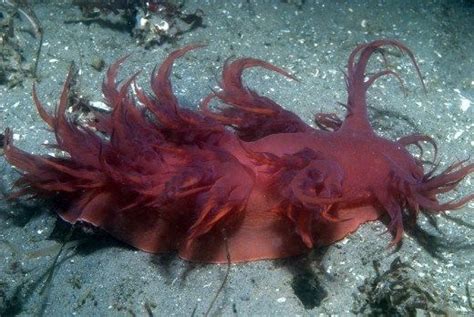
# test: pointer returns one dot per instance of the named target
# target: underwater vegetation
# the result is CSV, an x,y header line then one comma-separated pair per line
x,y
399,292
150,22
13,65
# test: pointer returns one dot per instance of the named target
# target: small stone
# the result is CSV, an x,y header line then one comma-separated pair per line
x,y
98,63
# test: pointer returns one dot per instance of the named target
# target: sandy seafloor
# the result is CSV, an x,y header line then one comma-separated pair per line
x,y
103,277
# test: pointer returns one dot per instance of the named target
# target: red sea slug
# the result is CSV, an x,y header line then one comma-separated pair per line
x,y
250,180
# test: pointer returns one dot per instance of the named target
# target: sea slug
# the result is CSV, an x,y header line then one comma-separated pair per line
x,y
250,179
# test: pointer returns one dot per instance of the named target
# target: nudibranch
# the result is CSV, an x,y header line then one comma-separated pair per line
x,y
247,179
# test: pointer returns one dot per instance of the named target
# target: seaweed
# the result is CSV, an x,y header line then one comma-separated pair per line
x,y
224,281
12,66
2,142
21,288
165,22
397,292
150,22
114,14
89,7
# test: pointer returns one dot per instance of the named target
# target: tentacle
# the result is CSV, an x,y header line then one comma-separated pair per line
x,y
49,119
252,115
451,176
178,123
235,93
164,119
204,106
57,174
111,89
357,69
392,206
405,194
164,105
382,73
122,131
70,137
357,86
160,80
414,139
432,205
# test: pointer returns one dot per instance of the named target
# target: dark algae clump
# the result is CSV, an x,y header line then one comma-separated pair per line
x,y
399,291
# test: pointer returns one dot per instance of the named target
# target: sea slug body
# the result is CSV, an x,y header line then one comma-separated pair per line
x,y
249,179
